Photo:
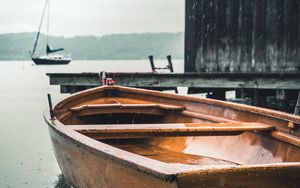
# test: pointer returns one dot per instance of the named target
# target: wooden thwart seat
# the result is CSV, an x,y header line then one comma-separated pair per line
x,y
177,129
152,109
286,137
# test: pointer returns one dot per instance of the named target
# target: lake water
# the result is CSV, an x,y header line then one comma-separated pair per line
x,y
27,158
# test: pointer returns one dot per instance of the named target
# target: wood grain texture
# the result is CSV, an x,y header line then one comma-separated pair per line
x,y
182,146
100,132
242,36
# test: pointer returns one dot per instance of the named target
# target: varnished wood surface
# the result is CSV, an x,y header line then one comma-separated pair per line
x,y
266,150
169,156
155,109
262,176
126,106
87,167
295,140
158,130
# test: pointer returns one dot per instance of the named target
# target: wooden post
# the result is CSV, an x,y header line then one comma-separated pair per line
x,y
50,106
170,65
152,63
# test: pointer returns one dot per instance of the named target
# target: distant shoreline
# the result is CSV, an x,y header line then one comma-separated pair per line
x,y
135,46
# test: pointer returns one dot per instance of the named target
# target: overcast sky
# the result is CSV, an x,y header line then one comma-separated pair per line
x,y
93,17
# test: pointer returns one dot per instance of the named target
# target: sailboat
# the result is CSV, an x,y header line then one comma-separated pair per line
x,y
49,58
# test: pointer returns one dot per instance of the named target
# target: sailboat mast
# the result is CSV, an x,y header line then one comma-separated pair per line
x,y
48,21
38,34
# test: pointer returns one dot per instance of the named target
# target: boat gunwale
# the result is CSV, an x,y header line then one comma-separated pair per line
x,y
231,105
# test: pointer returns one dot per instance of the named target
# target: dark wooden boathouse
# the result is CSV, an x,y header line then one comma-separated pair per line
x,y
244,36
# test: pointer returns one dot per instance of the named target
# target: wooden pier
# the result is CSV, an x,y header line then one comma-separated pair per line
x,y
283,87
257,87
73,82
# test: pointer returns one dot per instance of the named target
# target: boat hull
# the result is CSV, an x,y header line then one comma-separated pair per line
x,y
85,167
263,161
39,61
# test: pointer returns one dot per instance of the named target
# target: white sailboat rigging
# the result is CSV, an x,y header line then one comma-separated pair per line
x,y
50,57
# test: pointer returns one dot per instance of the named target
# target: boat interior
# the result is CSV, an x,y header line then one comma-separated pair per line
x,y
177,130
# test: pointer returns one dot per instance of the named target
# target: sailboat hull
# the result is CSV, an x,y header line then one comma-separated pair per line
x,y
42,61
52,59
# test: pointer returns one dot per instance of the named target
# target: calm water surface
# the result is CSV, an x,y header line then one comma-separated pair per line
x,y
27,158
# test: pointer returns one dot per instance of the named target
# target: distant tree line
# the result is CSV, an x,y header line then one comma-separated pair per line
x,y
16,46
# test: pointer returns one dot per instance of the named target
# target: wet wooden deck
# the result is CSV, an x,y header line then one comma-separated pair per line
x,y
72,82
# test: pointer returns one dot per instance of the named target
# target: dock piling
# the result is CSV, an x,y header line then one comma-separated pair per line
x,y
50,106
170,64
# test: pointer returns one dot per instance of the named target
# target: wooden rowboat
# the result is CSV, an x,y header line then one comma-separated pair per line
x,y
114,136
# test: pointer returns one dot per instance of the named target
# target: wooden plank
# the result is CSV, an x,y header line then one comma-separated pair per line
x,y
244,36
191,7
259,36
286,138
222,41
167,80
208,117
153,109
262,35
157,130
273,37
